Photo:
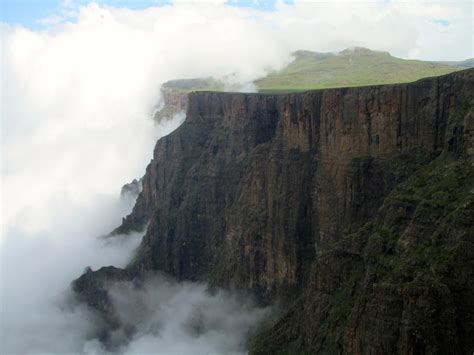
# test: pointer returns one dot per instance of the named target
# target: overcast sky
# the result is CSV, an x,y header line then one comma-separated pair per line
x,y
433,30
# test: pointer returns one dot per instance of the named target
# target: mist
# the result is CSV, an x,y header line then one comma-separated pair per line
x,y
168,317
77,101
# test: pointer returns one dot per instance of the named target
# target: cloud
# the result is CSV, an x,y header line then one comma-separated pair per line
x,y
51,20
37,316
183,318
403,28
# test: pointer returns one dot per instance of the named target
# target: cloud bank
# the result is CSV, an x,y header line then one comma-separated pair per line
x,y
182,318
76,106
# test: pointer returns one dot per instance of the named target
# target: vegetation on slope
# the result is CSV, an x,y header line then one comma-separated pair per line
x,y
313,70
351,67
411,265
189,85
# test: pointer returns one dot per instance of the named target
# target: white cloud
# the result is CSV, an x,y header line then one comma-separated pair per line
x,y
404,28
51,20
184,318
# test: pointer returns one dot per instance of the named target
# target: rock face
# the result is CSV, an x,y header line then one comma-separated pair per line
x,y
317,200
92,289
131,190
400,284
173,103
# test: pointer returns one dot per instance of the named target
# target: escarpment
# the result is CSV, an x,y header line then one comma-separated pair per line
x,y
173,103
353,207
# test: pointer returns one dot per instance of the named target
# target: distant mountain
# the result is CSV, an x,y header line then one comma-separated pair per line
x,y
465,64
350,67
314,70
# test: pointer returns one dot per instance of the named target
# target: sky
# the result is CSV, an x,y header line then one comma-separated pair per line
x,y
29,13
440,30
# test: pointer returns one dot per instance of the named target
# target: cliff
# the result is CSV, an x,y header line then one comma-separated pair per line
x,y
352,207
173,103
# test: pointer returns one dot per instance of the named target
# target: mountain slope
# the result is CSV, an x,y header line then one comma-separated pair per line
x,y
401,283
351,67
313,70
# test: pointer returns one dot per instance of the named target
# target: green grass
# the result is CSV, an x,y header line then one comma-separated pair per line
x,y
188,85
349,68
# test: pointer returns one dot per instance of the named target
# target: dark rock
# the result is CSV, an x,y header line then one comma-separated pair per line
x,y
131,190
400,284
92,288
173,103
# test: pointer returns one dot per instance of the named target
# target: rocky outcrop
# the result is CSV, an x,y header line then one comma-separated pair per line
x,y
131,190
173,103
258,192
92,289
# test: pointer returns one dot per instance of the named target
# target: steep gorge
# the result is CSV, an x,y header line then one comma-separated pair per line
x,y
351,207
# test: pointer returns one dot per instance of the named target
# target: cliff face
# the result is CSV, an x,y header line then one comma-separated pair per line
x,y
400,284
274,193
173,103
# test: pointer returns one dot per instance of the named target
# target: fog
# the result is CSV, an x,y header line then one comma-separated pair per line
x,y
77,99
182,318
